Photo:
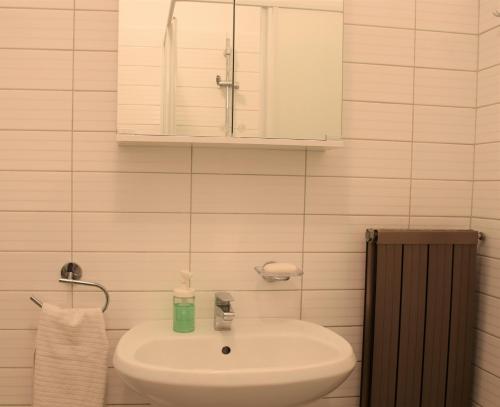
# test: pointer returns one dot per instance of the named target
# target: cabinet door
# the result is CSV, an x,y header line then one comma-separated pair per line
x,y
288,69
171,53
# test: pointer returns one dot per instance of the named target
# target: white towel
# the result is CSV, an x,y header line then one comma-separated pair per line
x,y
70,358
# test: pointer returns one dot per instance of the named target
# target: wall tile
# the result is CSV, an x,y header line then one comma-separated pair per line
x,y
35,110
99,151
248,161
126,271
246,233
442,161
488,124
335,271
247,194
377,121
375,45
488,315
40,4
35,231
35,191
32,270
328,233
49,29
488,86
259,304
486,19
486,352
127,309
35,150
445,50
335,402
236,271
123,232
16,386
97,5
95,70
18,347
489,42
36,69
445,88
441,198
375,83
127,192
359,158
390,13
486,199
354,335
357,196
118,392
444,15
96,30
439,222
486,388
489,278
94,111
18,312
333,307
436,124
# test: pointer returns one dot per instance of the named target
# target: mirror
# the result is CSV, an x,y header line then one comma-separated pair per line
x,y
212,68
289,69
171,53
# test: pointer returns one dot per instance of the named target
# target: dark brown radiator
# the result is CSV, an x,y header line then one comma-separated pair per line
x,y
419,318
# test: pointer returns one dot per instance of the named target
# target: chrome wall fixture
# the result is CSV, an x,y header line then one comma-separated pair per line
x,y
71,274
228,85
276,276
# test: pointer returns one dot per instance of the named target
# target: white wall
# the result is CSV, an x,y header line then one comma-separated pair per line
x,y
133,216
486,207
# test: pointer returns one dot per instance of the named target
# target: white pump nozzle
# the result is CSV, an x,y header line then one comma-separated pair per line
x,y
185,278
185,290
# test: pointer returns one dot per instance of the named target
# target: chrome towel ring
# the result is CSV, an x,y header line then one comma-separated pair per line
x,y
71,274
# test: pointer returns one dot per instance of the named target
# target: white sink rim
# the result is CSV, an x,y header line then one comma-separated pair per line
x,y
127,364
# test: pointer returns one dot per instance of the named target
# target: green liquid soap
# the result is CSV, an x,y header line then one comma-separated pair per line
x,y
184,317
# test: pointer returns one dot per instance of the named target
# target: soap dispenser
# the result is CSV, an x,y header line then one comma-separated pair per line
x,y
184,310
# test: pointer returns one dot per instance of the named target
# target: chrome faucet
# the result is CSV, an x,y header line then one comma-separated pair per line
x,y
223,312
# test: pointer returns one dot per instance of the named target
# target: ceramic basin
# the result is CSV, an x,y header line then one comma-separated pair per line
x,y
260,362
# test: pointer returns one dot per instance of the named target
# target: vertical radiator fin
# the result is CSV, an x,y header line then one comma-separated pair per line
x,y
386,329
411,342
419,318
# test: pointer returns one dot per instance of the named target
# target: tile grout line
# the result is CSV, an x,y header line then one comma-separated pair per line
x,y
73,70
303,235
190,252
412,146
475,116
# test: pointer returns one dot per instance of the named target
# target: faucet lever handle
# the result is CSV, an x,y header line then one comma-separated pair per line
x,y
222,297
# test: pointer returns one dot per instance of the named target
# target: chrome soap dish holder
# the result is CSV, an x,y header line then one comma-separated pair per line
x,y
71,274
278,275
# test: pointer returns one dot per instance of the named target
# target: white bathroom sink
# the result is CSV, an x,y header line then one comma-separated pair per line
x,y
271,363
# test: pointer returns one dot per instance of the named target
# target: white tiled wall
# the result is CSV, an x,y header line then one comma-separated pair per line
x,y
134,216
485,207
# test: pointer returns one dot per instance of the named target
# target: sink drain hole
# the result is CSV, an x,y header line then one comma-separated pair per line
x,y
226,350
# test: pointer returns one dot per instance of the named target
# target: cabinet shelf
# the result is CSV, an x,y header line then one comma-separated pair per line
x,y
243,142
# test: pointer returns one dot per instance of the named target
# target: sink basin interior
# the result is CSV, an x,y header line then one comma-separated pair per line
x,y
249,352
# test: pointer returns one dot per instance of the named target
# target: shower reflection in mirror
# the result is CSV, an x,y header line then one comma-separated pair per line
x,y
182,73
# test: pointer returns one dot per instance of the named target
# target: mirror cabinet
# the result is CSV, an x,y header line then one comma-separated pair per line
x,y
244,72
